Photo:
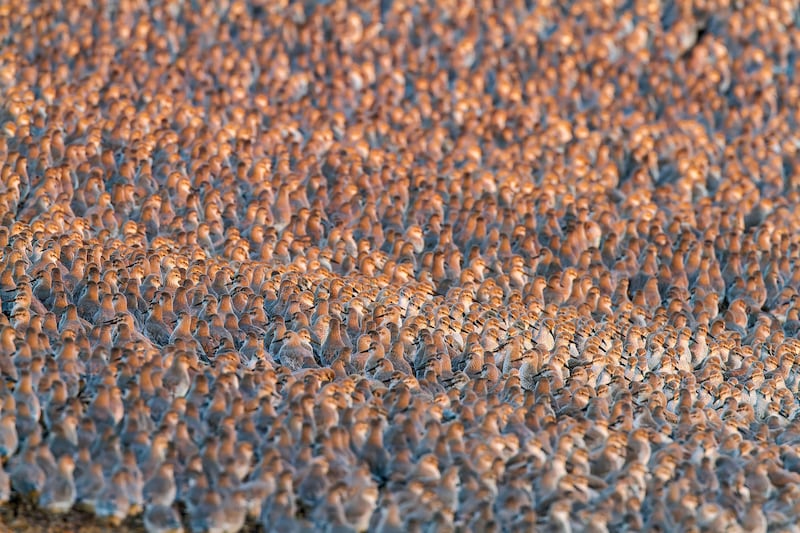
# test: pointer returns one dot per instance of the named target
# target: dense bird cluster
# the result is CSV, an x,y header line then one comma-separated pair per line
x,y
402,266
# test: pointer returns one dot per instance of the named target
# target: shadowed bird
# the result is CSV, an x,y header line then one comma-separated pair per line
x,y
389,518
160,489
334,343
27,477
101,409
156,327
106,312
162,519
89,303
167,311
754,520
231,515
42,287
58,494
219,333
280,514
208,513
373,451
63,437
312,488
90,487
331,513
202,334
129,485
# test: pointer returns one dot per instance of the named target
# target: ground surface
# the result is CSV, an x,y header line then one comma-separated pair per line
x,y
22,517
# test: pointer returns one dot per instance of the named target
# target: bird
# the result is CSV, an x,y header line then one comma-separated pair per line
x,y
89,304
90,488
474,298
389,516
176,378
162,519
160,489
396,356
9,439
156,327
5,486
296,351
58,494
312,488
334,343
24,394
183,329
27,477
101,410
63,439
373,451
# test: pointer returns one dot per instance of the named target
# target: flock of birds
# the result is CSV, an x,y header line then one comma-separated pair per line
x,y
402,266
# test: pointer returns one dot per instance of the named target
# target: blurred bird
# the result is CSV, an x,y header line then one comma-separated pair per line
x,y
162,519
160,490
58,494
